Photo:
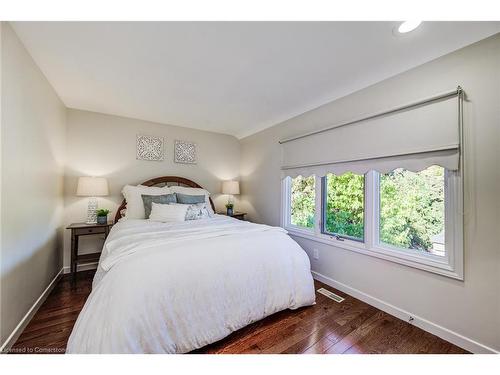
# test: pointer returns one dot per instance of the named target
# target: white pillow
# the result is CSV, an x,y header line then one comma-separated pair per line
x,y
168,213
194,191
135,205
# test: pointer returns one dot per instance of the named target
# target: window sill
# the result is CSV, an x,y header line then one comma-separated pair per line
x,y
427,263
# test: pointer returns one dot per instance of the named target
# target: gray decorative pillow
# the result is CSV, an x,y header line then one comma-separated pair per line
x,y
197,211
189,199
148,200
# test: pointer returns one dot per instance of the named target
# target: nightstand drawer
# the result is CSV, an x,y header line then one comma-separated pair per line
x,y
94,230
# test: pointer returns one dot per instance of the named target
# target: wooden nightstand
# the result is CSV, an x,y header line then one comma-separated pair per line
x,y
83,229
236,215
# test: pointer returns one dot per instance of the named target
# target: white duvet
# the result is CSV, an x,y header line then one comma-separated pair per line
x,y
173,288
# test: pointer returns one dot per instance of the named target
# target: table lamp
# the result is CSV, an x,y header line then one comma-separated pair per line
x,y
230,188
92,187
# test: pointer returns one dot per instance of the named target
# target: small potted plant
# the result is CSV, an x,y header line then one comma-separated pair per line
x,y
102,216
229,208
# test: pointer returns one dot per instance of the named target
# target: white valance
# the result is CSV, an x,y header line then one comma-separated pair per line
x,y
414,138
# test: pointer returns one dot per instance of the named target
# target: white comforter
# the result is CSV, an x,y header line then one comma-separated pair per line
x,y
172,288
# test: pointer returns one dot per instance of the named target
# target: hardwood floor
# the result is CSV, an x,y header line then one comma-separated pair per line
x,y
327,327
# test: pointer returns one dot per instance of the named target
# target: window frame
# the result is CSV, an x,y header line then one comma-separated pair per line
x,y
451,264
339,237
286,220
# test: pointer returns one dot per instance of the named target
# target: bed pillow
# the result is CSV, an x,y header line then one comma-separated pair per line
x,y
168,213
147,200
135,205
197,211
190,199
194,191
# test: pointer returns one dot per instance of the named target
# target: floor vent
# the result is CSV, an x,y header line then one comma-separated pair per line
x,y
330,295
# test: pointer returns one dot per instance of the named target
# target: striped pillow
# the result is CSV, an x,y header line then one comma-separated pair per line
x,y
189,199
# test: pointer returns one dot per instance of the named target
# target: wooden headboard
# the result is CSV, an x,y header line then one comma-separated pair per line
x,y
160,182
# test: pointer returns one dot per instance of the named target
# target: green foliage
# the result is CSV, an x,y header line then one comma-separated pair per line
x,y
229,205
411,206
102,212
345,205
302,201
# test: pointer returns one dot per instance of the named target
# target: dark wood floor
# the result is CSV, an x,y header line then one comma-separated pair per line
x,y
327,327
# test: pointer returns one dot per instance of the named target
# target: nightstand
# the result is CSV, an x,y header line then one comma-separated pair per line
x,y
236,215
83,229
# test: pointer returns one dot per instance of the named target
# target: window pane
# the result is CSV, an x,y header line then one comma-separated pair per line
x,y
412,209
302,201
344,211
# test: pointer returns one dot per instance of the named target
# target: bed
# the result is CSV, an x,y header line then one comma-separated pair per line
x,y
176,287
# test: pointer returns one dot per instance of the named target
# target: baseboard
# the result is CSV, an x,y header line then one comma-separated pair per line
x,y
81,267
29,315
426,325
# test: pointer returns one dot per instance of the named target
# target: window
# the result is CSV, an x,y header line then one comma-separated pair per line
x,y
413,218
302,202
412,213
343,205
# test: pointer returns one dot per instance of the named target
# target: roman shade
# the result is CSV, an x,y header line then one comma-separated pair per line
x,y
414,137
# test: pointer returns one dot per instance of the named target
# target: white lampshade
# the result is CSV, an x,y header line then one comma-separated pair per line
x,y
230,187
92,187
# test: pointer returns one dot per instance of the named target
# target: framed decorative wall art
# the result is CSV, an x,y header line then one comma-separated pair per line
x,y
184,152
150,148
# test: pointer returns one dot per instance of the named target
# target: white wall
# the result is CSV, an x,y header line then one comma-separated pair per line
x,y
32,157
105,145
470,308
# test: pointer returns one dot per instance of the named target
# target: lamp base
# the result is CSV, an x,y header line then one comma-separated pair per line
x,y
92,211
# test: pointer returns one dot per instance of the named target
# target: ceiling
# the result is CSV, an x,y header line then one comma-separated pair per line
x,y
229,77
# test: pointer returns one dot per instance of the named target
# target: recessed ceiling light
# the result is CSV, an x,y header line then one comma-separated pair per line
x,y
408,26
